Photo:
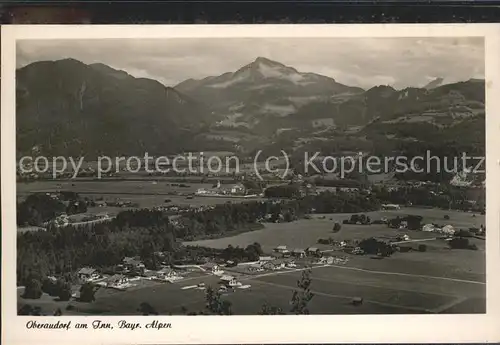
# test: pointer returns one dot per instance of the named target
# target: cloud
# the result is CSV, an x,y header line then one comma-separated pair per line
x,y
364,62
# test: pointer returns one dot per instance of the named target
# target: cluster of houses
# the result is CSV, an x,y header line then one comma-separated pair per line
x,y
447,229
131,269
269,263
217,190
284,252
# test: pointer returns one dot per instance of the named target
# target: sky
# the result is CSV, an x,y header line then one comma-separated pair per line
x,y
363,62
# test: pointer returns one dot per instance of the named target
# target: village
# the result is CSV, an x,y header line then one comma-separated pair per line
x,y
132,274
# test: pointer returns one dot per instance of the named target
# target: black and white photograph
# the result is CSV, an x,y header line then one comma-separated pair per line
x,y
308,182
250,176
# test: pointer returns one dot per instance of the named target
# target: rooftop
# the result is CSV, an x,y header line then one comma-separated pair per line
x,y
87,270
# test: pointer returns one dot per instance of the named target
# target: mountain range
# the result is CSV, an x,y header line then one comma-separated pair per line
x,y
66,107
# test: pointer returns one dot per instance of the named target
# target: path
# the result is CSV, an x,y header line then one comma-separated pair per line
x,y
408,275
420,240
344,297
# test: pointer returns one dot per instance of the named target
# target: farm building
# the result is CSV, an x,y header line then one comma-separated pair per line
x,y
88,274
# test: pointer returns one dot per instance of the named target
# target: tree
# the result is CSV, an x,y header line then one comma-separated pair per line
x,y
301,298
33,289
215,303
354,219
373,246
413,222
64,291
336,227
147,309
87,292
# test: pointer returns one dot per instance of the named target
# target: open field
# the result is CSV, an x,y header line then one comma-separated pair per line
x,y
145,193
334,287
439,280
305,232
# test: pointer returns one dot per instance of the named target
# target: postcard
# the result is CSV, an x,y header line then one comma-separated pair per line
x,y
250,183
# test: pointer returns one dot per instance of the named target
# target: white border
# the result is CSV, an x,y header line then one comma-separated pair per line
x,y
257,329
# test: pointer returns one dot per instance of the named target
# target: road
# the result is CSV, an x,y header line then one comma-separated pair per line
x,y
420,240
95,221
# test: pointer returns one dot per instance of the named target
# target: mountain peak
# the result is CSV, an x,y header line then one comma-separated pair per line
x,y
265,60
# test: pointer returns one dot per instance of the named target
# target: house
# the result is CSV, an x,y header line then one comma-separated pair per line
x,y
134,264
299,253
428,227
277,264
323,122
118,281
358,251
313,251
229,281
167,273
213,268
391,207
231,263
404,237
265,258
255,268
270,265
448,229
281,249
88,274
238,189
61,220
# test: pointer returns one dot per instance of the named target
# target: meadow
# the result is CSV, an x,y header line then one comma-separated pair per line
x,y
146,193
439,280
304,233
333,287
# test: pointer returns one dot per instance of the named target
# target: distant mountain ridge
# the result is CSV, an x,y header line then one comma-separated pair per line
x,y
262,91
68,107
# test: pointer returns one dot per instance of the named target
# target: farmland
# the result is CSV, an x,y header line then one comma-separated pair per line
x,y
439,280
334,287
305,232
145,193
